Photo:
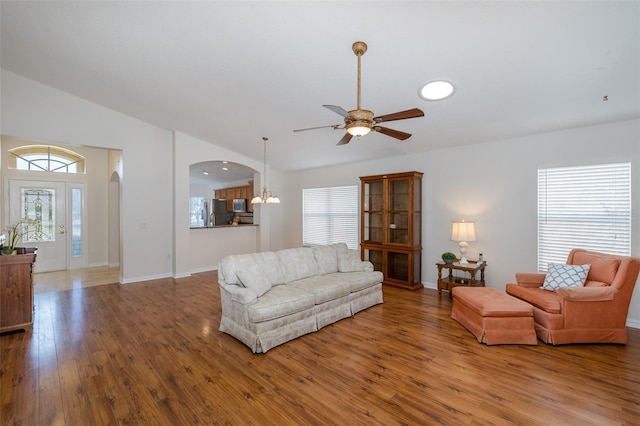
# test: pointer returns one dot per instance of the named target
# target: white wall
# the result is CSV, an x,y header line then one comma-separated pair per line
x,y
493,184
210,246
34,111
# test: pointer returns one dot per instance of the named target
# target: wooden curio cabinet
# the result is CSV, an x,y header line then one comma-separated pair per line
x,y
391,227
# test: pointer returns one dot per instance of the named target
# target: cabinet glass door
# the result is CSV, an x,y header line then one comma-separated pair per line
x,y
399,228
398,266
375,257
373,212
399,194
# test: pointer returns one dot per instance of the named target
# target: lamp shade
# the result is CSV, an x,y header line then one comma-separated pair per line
x,y
463,231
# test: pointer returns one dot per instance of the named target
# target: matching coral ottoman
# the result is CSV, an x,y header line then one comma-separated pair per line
x,y
494,317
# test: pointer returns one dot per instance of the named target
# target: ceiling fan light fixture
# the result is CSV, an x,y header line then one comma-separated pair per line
x,y
358,128
437,90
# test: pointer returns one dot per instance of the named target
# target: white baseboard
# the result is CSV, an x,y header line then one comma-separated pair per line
x,y
146,278
206,269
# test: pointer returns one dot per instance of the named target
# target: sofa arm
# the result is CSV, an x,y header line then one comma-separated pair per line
x,y
239,294
587,294
367,266
530,279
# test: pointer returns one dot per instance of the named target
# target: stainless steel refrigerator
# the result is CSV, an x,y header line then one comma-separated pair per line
x,y
218,213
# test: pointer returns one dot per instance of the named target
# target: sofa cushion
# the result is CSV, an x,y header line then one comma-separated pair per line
x,y
255,278
602,269
297,263
548,301
360,280
327,257
349,261
280,301
559,275
324,287
230,265
591,283
271,267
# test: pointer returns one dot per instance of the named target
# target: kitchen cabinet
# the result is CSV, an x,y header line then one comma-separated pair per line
x,y
16,292
229,194
391,227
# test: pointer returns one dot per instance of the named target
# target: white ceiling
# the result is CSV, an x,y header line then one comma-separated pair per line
x,y
232,72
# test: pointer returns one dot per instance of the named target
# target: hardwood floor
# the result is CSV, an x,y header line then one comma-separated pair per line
x,y
75,278
150,353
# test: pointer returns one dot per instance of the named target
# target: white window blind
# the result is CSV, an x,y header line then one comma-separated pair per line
x,y
330,215
585,207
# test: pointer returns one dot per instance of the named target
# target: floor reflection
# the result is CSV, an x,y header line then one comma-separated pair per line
x,y
46,282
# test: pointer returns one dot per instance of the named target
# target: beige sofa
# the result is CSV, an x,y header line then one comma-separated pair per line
x,y
270,298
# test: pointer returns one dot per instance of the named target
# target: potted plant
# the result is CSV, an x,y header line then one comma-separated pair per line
x,y
448,257
14,233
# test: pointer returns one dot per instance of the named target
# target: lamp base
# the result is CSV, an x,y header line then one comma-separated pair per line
x,y
463,252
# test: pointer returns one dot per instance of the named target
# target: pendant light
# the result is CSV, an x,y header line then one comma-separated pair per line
x,y
266,197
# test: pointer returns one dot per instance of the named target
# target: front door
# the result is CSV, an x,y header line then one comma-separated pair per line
x,y
41,206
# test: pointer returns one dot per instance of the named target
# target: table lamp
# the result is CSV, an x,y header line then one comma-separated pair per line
x,y
463,232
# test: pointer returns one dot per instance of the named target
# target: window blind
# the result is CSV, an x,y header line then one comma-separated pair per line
x,y
330,215
585,207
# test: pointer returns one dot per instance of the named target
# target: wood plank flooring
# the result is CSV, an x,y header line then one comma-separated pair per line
x,y
74,278
150,354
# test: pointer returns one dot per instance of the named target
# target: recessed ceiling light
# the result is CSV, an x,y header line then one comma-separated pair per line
x,y
437,90
225,169
205,173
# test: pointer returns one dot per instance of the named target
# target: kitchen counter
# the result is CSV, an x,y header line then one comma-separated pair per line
x,y
240,225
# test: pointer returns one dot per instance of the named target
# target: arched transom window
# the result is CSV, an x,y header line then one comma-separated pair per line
x,y
46,158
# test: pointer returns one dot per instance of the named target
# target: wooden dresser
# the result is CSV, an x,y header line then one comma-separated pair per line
x,y
16,292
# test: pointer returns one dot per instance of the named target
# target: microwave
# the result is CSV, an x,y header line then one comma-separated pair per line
x,y
239,205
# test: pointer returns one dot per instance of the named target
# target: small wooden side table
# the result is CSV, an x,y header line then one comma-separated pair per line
x,y
472,268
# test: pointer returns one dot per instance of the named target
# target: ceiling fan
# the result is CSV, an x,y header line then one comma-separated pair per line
x,y
359,122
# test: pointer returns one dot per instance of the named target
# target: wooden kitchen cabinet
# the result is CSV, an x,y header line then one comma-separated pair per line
x,y
16,292
230,194
391,227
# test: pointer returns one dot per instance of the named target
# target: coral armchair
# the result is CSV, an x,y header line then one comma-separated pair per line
x,y
594,313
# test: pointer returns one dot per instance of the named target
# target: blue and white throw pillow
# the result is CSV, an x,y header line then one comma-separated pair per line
x,y
559,275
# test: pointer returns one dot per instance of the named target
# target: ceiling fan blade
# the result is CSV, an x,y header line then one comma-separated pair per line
x,y
402,115
393,133
345,139
335,126
338,110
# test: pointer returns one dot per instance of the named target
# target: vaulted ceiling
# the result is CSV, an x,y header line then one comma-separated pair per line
x,y
232,72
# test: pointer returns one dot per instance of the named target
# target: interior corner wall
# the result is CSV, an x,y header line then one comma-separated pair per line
x,y
493,184
35,111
